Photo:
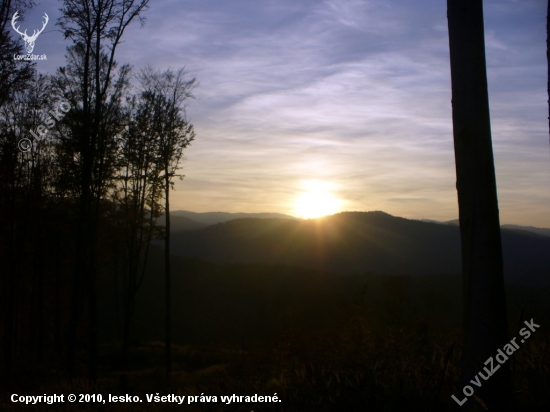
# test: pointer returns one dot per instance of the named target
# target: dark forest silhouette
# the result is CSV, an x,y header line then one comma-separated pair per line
x,y
94,181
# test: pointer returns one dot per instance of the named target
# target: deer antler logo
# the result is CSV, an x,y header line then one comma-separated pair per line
x,y
29,40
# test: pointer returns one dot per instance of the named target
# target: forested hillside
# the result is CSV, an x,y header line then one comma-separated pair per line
x,y
359,242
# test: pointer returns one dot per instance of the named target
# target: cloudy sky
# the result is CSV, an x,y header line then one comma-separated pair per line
x,y
345,101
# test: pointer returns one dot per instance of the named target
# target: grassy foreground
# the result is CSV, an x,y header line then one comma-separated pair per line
x,y
388,356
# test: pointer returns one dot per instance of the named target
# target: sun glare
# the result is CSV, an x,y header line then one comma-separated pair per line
x,y
316,201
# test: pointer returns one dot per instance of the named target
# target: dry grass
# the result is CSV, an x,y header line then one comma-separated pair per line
x,y
393,361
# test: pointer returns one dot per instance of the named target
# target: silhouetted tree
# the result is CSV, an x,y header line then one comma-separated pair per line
x,y
25,182
485,322
166,93
96,28
138,195
14,74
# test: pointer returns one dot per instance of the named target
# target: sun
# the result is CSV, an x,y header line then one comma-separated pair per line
x,y
316,201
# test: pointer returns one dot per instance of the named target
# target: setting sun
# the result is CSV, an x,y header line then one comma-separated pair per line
x,y
316,201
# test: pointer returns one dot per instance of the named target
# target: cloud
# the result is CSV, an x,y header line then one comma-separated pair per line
x,y
353,92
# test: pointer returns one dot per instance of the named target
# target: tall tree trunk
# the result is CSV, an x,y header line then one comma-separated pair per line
x,y
548,60
97,27
37,298
485,323
9,291
92,322
82,231
13,272
39,278
167,277
57,310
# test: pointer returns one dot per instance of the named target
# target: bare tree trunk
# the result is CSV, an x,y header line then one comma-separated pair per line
x,y
35,201
9,292
548,60
485,322
92,342
57,310
39,278
174,133
167,278
97,27
13,265
82,232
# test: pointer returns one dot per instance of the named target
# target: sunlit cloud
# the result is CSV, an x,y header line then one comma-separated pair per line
x,y
356,93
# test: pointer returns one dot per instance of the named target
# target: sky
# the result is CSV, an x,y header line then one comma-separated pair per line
x,y
320,106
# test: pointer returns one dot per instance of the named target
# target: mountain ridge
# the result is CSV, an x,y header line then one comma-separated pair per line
x,y
358,242
212,218
188,220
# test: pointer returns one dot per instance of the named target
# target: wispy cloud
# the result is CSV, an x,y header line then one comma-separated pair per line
x,y
354,92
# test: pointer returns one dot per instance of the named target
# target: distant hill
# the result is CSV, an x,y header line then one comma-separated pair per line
x,y
185,220
532,229
537,230
212,218
358,242
180,223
